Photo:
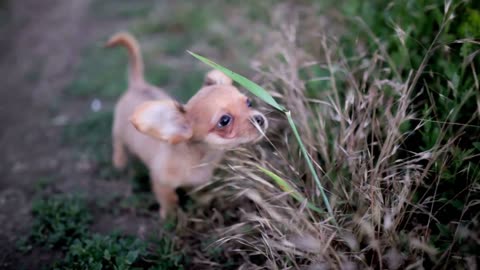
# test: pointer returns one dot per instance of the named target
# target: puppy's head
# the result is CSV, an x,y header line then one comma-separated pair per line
x,y
218,115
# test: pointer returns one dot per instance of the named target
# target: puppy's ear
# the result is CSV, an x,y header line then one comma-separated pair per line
x,y
217,77
163,120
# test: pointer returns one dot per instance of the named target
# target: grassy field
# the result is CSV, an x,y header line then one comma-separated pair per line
x,y
386,99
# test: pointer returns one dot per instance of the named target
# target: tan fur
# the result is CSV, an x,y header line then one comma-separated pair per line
x,y
134,54
216,77
180,144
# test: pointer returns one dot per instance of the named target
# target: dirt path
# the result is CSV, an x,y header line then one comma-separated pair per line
x,y
43,44
40,47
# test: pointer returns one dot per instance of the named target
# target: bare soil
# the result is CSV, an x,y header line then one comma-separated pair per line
x,y
40,46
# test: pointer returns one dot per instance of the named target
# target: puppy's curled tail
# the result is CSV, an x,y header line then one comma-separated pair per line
x,y
134,54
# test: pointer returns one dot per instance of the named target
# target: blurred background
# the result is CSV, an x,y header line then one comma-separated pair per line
x,y
59,88
408,68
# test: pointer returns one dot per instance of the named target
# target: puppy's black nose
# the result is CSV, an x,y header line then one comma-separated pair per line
x,y
259,119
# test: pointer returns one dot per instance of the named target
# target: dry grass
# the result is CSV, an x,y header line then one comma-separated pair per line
x,y
355,133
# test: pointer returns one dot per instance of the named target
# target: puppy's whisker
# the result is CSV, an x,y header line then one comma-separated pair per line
x,y
269,112
258,127
205,164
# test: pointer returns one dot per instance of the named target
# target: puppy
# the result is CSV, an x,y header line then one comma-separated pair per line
x,y
180,144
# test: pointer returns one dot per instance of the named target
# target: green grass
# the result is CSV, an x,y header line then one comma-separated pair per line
x,y
190,24
390,127
43,183
92,137
121,9
103,73
190,19
166,255
189,85
142,198
177,45
59,221
116,251
159,75
446,101
4,12
104,252
62,222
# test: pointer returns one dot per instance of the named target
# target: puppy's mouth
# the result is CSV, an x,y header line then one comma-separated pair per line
x,y
229,144
239,142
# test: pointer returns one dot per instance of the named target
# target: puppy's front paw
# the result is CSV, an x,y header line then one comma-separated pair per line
x,y
163,213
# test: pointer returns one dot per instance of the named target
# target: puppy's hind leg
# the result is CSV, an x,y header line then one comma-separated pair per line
x,y
119,156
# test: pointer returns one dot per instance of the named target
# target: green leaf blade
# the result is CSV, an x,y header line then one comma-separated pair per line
x,y
254,88
285,186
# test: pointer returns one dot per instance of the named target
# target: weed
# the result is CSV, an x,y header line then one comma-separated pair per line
x,y
59,221
120,252
166,255
103,252
62,222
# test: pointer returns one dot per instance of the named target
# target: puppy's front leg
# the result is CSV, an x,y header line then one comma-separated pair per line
x,y
166,196
119,156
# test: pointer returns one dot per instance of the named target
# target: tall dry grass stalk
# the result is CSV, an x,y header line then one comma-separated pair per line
x,y
353,130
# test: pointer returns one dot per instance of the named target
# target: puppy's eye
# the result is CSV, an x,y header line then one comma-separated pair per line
x,y
224,121
249,103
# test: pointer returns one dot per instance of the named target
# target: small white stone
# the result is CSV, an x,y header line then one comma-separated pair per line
x,y
96,105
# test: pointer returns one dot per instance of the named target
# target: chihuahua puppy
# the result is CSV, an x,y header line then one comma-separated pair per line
x,y
180,144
